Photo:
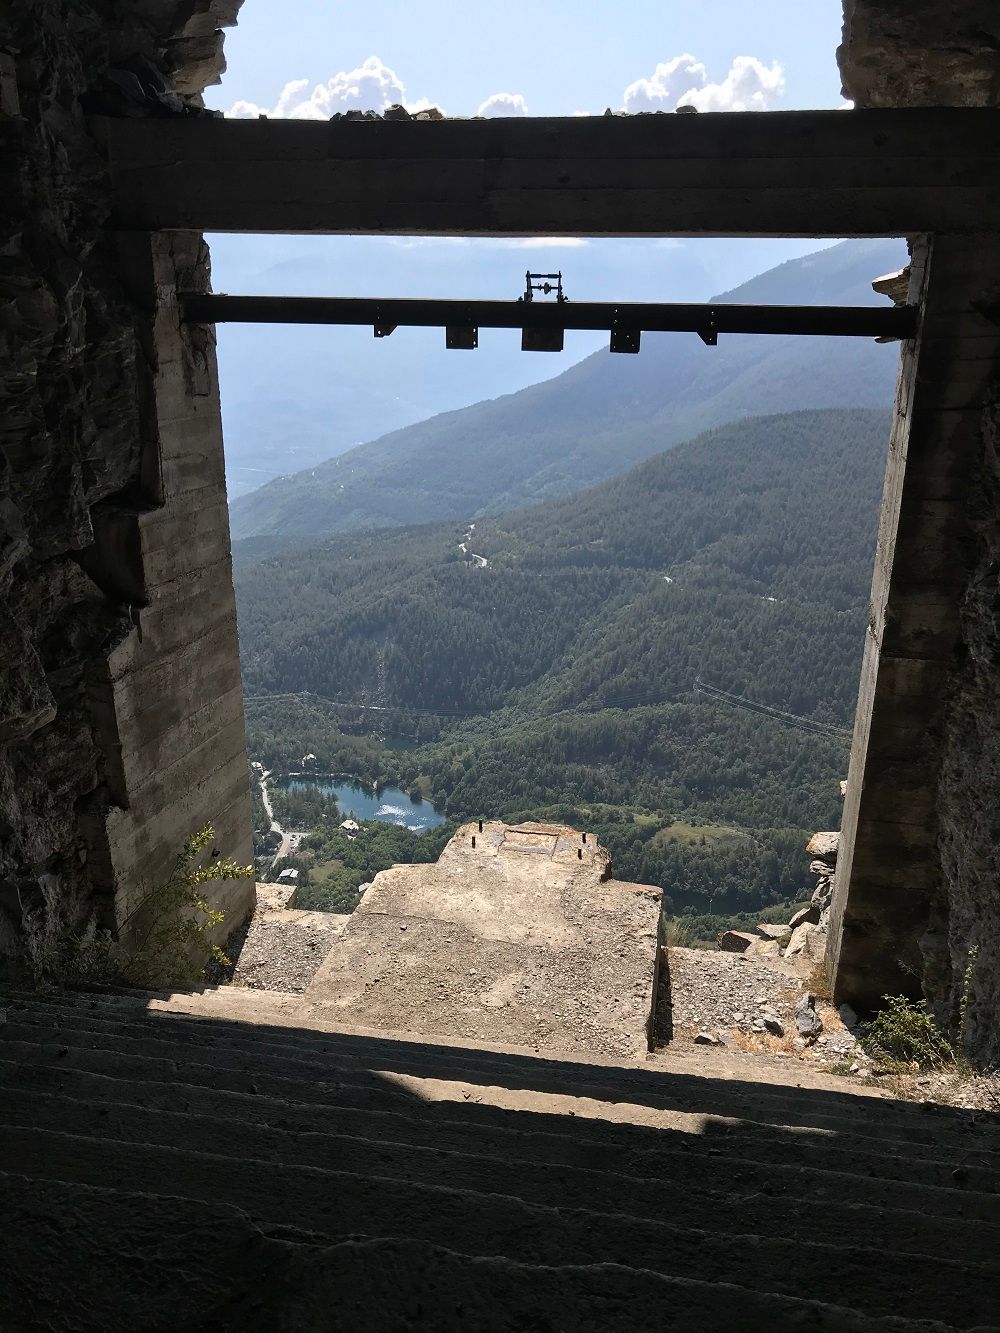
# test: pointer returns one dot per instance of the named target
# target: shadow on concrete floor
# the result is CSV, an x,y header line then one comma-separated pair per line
x,y
326,1180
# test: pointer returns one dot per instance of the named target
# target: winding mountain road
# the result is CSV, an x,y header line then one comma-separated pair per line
x,y
288,840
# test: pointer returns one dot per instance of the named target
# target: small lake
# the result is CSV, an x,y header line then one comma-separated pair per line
x,y
391,805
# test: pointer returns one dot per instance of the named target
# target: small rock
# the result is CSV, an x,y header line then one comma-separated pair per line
x,y
848,1017
774,1026
738,1016
770,932
807,1020
855,1068
708,1039
396,112
823,896
808,914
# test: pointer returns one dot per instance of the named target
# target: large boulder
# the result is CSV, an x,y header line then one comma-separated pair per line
x,y
824,846
736,941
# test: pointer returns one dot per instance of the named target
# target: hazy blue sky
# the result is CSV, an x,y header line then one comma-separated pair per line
x,y
311,58
561,56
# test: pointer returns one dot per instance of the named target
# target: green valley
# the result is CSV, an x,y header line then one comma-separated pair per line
x,y
563,678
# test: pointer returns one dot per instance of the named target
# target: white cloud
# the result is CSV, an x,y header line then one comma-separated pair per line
x,y
494,242
750,85
668,83
543,243
373,86
422,242
503,104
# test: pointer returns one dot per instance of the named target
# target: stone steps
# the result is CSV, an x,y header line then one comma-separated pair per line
x,y
924,1133
299,1166
262,1279
480,1209
633,1149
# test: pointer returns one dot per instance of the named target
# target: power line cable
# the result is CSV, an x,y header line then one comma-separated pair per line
x,y
626,700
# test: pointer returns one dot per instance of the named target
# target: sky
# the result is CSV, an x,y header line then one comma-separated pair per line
x,y
559,56
313,58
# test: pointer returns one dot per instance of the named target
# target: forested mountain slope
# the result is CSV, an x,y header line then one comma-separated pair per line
x,y
563,672
702,560
598,418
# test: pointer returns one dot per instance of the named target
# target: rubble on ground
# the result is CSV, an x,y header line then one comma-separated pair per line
x,y
804,936
754,992
755,1003
284,945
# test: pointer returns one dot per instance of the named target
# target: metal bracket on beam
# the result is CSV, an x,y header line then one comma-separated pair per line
x,y
463,337
382,325
625,337
709,332
535,339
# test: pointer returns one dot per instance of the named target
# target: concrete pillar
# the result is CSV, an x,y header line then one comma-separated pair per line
x,y
174,714
889,930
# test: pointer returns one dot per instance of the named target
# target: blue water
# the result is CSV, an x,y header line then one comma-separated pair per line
x,y
391,805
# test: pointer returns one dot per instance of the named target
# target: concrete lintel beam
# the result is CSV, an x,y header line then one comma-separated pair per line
x,y
788,173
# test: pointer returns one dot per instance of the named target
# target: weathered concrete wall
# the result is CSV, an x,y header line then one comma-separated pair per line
x,y
175,681
104,418
919,877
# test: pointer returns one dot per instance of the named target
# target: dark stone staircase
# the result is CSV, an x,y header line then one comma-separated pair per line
x,y
169,1172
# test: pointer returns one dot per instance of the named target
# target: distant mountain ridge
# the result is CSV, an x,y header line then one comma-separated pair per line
x,y
598,418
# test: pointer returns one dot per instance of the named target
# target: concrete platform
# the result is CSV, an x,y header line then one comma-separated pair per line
x,y
517,935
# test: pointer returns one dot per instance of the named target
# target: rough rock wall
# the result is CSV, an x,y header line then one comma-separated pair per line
x,y
969,783
921,52
931,53
77,464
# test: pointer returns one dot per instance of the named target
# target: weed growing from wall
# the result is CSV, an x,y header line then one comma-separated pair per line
x,y
905,1033
964,1002
162,941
